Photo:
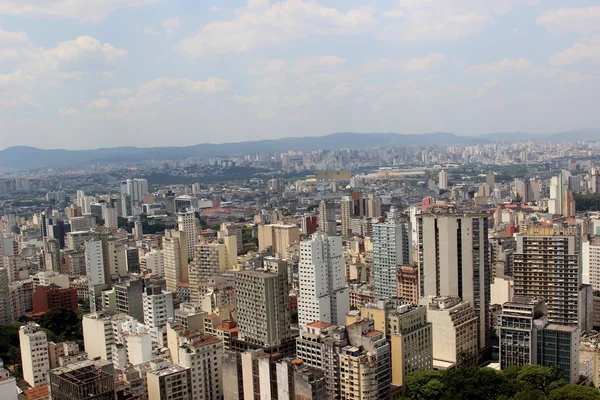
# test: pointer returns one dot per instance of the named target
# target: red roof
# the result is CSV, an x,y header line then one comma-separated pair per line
x,y
319,325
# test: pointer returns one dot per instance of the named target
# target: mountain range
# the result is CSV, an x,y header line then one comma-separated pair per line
x,y
29,158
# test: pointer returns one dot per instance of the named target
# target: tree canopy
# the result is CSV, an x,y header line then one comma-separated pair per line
x,y
531,382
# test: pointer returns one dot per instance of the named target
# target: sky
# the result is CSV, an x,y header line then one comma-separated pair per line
x,y
80,74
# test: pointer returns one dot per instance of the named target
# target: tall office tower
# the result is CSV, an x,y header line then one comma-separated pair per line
x,y
391,248
568,204
454,261
231,229
319,345
323,295
157,308
175,255
575,184
34,354
558,346
443,180
454,325
138,230
212,259
594,182
16,267
278,238
81,381
411,341
203,356
171,383
557,192
547,265
523,190
263,306
186,222
490,179
373,207
590,263
128,295
117,258
111,216
346,211
521,322
94,267
408,283
327,224
135,188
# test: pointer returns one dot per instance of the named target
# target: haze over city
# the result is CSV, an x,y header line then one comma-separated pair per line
x,y
106,73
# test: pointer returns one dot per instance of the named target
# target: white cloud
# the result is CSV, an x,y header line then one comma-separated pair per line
x,y
418,64
116,92
170,25
148,30
83,10
506,65
16,78
577,53
444,20
68,112
275,24
215,9
316,63
571,20
274,100
100,103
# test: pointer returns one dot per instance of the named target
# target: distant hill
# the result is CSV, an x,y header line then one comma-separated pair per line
x,y
27,158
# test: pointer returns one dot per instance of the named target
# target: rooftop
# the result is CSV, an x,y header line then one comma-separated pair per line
x,y
173,369
318,325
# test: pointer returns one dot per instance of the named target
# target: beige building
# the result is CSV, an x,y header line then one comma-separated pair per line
x,y
454,326
411,340
359,374
212,259
278,237
175,256
186,222
171,383
327,223
34,354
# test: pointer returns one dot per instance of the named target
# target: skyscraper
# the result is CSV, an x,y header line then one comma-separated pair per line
x,y
262,306
186,222
454,261
322,273
391,249
34,354
346,213
546,264
327,224
175,256
443,180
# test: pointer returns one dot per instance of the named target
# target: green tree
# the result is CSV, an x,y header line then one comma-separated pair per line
x,y
538,377
63,322
575,392
422,385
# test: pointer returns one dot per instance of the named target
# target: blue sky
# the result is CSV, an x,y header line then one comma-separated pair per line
x,y
103,73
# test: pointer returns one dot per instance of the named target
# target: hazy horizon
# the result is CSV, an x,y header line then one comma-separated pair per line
x,y
154,73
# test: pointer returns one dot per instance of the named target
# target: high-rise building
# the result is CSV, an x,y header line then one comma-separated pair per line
x,y
111,218
45,298
455,330
138,230
81,381
263,306
327,223
546,264
411,341
490,179
391,248
135,188
203,356
186,222
319,345
231,229
590,263
157,308
323,294
170,383
5,310
521,322
175,254
373,206
408,283
557,192
153,263
568,204
98,334
128,297
278,238
454,261
558,346
443,180
346,214
34,354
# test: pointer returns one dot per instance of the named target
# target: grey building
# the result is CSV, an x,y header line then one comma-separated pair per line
x,y
128,295
391,248
81,382
454,261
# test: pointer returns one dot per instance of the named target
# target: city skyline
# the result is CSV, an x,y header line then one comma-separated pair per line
x,y
159,73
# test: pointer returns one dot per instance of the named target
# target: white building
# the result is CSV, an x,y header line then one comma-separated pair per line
x,y
322,272
98,336
590,261
158,308
153,262
443,180
391,248
8,384
138,231
135,188
34,354
94,262
186,222
111,218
